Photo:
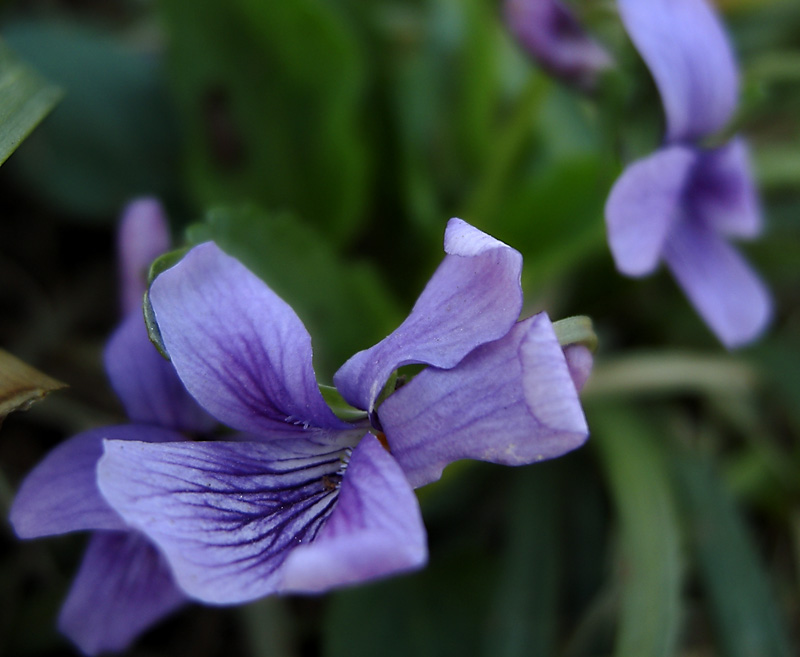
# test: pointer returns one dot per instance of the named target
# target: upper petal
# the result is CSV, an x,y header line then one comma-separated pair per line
x,y
723,288
225,515
686,48
142,236
148,385
552,35
472,298
60,494
241,351
122,588
375,529
722,192
512,401
643,206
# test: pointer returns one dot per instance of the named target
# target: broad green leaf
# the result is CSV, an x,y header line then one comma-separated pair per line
x,y
25,99
22,385
650,567
269,94
744,609
114,134
343,304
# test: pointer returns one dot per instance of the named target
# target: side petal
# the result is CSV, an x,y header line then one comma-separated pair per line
x,y
686,49
122,588
580,361
722,287
472,298
375,529
225,515
60,494
722,192
241,351
148,385
512,402
142,237
551,34
643,205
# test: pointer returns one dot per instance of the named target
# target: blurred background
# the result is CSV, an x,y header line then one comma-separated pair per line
x,y
326,143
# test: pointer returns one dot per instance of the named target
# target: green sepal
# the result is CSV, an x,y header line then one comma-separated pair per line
x,y
339,406
576,330
159,266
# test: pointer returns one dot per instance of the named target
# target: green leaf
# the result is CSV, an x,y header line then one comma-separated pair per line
x,y
270,96
342,302
650,568
742,606
25,99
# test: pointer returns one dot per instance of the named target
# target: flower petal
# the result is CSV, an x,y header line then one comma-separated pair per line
x,y
512,401
148,385
142,237
724,290
580,361
643,205
722,192
224,514
473,297
60,494
122,588
375,529
686,48
551,34
241,351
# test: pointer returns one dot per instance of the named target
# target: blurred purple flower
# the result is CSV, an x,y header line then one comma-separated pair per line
x,y
310,502
123,585
551,34
682,203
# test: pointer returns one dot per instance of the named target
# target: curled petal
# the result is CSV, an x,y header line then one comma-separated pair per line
x,y
473,297
644,205
241,351
226,515
552,35
723,288
688,53
148,385
580,361
722,193
142,237
122,588
512,401
60,494
375,529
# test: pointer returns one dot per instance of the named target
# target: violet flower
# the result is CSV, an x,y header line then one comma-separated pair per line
x,y
310,502
682,203
549,32
123,585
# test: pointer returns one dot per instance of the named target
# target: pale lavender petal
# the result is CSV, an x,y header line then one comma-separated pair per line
x,y
122,588
644,205
723,288
686,48
722,192
473,297
240,350
147,384
512,402
375,529
143,235
551,34
580,361
60,494
225,515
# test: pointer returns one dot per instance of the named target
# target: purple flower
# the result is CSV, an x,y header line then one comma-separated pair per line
x,y
551,34
123,585
309,501
683,202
